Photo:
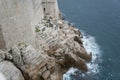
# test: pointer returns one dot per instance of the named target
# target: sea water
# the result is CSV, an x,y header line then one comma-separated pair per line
x,y
99,22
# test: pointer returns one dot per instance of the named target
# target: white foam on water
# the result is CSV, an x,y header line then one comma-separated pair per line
x,y
2,77
66,76
90,45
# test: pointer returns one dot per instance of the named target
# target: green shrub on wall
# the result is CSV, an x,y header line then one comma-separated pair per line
x,y
36,29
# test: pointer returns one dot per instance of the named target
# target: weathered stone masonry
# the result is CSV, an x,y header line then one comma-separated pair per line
x,y
19,17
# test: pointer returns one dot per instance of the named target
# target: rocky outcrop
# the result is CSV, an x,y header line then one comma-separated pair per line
x,y
59,45
8,69
10,72
63,40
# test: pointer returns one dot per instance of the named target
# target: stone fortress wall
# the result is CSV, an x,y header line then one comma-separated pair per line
x,y
58,44
19,17
50,7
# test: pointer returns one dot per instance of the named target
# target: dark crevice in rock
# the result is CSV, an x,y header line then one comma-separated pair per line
x,y
2,41
78,39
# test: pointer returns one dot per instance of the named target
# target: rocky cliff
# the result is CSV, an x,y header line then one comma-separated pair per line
x,y
58,45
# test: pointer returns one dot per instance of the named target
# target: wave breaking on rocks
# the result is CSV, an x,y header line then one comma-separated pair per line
x,y
91,46
59,46
43,46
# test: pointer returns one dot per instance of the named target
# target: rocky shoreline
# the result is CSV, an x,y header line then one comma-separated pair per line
x,y
59,46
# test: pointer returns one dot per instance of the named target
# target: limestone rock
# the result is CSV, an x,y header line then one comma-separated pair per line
x,y
2,55
71,61
58,44
58,50
5,56
78,39
65,47
10,72
46,75
29,60
17,57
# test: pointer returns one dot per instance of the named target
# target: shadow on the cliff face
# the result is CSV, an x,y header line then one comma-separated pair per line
x,y
2,41
71,62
